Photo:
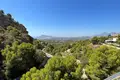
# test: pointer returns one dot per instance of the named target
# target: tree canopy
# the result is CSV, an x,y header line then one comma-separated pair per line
x,y
19,58
57,68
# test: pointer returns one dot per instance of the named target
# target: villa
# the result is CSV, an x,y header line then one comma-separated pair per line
x,y
113,39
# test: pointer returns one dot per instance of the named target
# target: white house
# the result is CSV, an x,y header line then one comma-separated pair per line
x,y
113,40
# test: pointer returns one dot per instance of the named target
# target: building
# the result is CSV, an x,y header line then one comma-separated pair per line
x,y
113,40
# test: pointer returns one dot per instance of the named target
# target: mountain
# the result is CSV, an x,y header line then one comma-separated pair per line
x,y
7,20
103,34
46,37
11,30
107,34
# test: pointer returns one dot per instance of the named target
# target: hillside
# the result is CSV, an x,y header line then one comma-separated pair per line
x,y
7,20
11,30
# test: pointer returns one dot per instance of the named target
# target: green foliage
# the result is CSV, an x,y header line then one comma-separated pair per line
x,y
57,68
7,20
118,40
38,44
102,39
103,62
20,58
11,35
57,49
11,31
40,58
1,12
98,40
79,46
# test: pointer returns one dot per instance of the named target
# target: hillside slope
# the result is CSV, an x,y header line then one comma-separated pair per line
x,y
11,30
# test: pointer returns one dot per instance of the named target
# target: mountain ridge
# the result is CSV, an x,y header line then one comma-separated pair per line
x,y
48,37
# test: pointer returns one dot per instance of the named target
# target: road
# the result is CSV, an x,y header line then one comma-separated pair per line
x,y
47,54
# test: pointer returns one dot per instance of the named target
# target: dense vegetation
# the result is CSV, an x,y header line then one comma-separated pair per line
x,y
25,58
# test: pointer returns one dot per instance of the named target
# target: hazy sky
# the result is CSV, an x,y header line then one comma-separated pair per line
x,y
65,17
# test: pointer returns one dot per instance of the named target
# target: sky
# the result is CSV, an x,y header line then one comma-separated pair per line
x,y
66,18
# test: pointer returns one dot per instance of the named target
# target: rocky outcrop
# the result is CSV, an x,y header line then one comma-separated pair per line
x,y
7,20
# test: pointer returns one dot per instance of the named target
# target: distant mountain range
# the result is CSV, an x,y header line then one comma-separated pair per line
x,y
106,34
46,37
103,34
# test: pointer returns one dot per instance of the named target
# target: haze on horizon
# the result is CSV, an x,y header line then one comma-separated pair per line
x,y
65,17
